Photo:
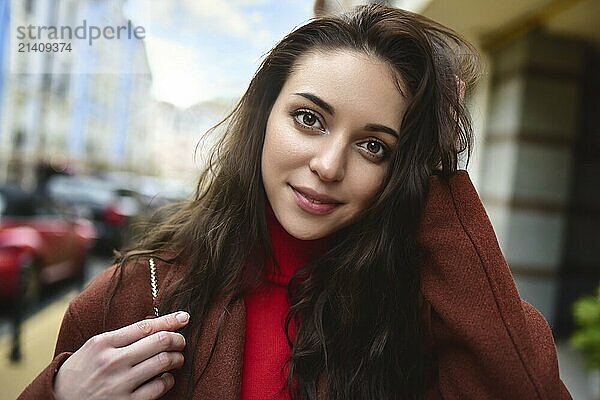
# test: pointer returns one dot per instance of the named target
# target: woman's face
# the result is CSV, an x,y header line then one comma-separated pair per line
x,y
328,140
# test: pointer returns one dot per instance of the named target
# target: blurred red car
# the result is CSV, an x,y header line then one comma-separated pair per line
x,y
39,245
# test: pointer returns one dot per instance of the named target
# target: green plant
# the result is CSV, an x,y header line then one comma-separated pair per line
x,y
586,338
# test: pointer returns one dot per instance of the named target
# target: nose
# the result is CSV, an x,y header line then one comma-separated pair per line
x,y
329,161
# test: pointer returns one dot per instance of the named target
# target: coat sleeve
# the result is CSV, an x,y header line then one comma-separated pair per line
x,y
485,341
84,318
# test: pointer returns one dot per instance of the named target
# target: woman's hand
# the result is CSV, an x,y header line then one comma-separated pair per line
x,y
129,363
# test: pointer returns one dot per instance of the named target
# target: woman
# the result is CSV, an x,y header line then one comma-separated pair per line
x,y
332,250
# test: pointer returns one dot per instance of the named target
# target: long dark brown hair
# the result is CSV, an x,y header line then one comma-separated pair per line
x,y
357,308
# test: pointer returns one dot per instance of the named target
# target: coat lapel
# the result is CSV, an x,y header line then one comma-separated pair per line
x,y
221,372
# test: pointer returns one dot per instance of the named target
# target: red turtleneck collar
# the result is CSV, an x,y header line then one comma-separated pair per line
x,y
289,253
265,348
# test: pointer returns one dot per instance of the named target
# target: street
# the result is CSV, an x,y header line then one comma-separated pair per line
x,y
39,333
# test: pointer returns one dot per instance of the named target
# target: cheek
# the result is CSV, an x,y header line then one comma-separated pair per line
x,y
275,154
283,147
275,149
366,185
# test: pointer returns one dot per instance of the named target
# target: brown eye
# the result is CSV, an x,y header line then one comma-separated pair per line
x,y
308,119
373,146
374,149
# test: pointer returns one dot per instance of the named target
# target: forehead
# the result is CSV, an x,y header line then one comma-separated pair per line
x,y
351,81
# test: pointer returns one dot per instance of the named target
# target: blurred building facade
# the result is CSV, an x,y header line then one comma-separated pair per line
x,y
534,164
63,110
93,111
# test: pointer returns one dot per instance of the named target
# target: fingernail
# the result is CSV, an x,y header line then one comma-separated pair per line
x,y
182,316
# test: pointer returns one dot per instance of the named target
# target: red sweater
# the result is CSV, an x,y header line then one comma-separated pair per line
x,y
266,349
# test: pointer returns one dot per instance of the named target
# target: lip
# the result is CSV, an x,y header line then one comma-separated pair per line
x,y
314,202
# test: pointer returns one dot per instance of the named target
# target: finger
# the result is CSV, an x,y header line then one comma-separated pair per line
x,y
134,332
152,345
156,365
155,388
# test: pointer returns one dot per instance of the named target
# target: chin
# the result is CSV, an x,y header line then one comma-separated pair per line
x,y
304,231
309,236
303,234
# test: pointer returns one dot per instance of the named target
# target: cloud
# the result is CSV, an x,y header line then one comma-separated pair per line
x,y
177,80
203,49
232,17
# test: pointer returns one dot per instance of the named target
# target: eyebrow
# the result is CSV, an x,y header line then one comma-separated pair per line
x,y
330,110
382,128
318,101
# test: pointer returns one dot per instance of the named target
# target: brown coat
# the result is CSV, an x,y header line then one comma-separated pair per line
x,y
485,341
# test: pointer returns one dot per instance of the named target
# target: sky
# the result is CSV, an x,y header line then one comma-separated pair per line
x,y
203,50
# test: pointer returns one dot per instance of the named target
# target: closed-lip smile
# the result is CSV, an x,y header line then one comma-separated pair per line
x,y
314,195
313,202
